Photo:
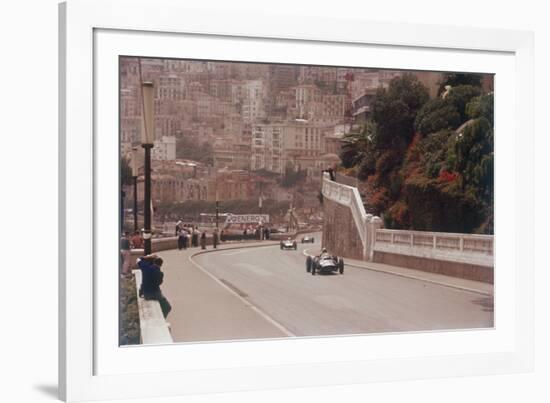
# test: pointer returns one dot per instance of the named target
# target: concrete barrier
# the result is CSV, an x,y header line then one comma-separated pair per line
x,y
349,231
154,328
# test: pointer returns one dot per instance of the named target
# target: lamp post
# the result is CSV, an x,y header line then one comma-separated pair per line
x,y
122,196
217,206
147,142
260,200
135,174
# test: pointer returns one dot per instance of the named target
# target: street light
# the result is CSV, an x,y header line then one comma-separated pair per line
x,y
217,204
135,174
147,142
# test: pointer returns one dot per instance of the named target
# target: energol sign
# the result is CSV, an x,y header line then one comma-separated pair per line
x,y
247,219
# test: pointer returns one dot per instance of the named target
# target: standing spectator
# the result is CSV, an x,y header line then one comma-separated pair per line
x,y
266,233
185,237
195,236
178,228
203,240
222,236
181,238
215,238
137,241
125,253
152,278
331,173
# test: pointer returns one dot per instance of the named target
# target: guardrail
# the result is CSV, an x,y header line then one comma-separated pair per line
x,y
153,326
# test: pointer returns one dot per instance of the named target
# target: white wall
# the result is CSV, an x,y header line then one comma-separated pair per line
x,y
28,68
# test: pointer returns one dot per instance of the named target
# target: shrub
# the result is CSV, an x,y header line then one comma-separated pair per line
x,y
129,330
437,114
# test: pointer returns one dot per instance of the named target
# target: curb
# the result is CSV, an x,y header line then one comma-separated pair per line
x,y
458,287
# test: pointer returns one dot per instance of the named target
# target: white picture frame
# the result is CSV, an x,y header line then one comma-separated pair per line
x,y
92,367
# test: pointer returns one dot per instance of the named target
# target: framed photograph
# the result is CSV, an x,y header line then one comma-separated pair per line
x,y
246,207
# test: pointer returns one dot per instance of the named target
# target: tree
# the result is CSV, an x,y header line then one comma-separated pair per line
x,y
189,149
358,149
394,111
456,79
471,155
460,96
482,105
437,114
292,176
125,172
433,152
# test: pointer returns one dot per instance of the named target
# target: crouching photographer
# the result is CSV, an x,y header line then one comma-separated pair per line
x,y
152,278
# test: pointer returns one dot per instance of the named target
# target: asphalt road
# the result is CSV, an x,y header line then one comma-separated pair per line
x,y
275,283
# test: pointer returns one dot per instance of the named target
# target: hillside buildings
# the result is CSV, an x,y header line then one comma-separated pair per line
x,y
247,119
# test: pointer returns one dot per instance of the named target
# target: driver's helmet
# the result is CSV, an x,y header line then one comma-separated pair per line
x,y
324,250
289,238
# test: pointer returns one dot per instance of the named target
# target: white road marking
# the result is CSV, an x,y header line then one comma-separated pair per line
x,y
245,301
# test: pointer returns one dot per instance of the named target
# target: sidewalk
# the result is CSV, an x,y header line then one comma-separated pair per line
x,y
435,278
203,308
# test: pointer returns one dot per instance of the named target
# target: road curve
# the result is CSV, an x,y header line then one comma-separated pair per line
x,y
360,301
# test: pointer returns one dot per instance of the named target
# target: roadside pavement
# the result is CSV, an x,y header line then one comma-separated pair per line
x,y
203,307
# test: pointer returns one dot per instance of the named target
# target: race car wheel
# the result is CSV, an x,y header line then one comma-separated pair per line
x,y
308,264
341,266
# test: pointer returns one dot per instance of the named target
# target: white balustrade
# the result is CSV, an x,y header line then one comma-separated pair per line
x,y
465,248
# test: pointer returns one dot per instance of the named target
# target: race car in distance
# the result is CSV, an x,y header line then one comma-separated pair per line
x,y
324,263
308,239
289,244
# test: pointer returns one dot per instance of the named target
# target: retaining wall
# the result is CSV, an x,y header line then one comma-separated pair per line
x,y
340,234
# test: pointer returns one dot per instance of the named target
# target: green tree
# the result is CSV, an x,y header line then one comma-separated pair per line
x,y
460,96
394,111
196,151
437,114
482,105
433,152
291,176
125,172
359,150
456,79
471,155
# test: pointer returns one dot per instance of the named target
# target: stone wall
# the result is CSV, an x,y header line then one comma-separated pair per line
x,y
454,269
340,235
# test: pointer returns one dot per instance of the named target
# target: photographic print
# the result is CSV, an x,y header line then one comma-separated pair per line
x,y
262,201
